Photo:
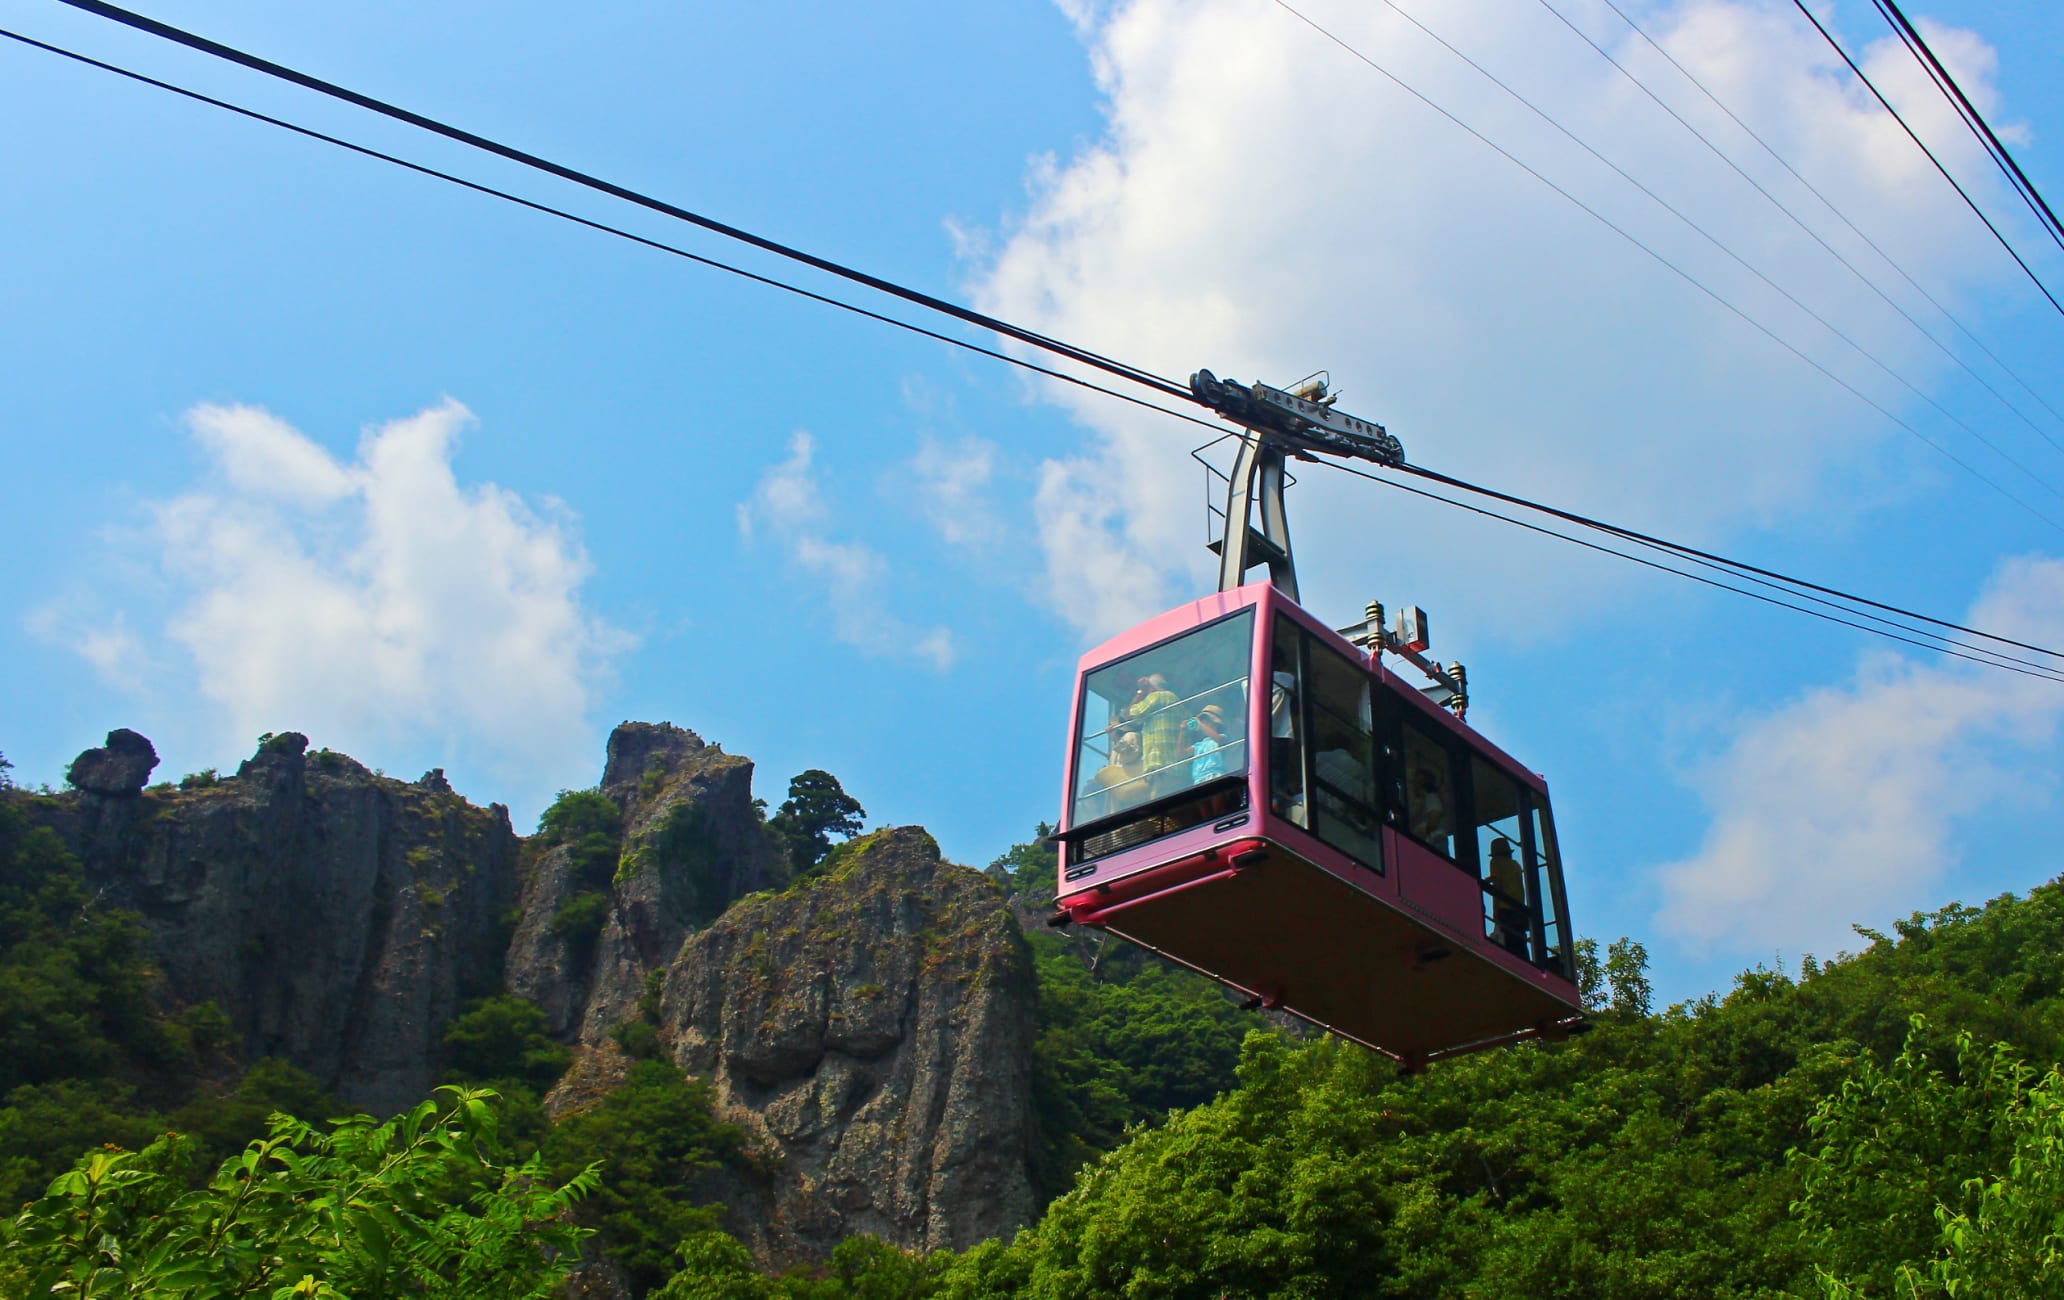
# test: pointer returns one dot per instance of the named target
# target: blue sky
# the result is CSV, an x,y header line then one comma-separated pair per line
x,y
299,441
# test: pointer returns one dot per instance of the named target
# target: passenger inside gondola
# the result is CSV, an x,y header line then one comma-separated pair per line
x,y
1153,709
1158,724
1120,783
1508,897
1206,736
1286,753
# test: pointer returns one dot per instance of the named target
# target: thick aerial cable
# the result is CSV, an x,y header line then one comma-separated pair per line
x,y
1969,202
1840,215
1817,238
1975,120
1940,645
967,314
1432,475
602,226
1675,269
1715,240
1692,552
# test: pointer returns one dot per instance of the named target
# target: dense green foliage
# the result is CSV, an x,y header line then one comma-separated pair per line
x,y
590,825
817,808
501,1041
1748,1145
1886,1124
424,1204
653,1139
1123,1038
1120,1046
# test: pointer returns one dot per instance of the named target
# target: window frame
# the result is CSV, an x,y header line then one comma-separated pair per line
x,y
1076,833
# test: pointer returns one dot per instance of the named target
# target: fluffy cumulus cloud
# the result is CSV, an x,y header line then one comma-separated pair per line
x,y
375,603
1263,203
788,509
1843,805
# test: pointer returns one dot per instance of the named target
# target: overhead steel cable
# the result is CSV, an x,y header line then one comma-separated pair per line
x,y
1955,650
1692,552
1432,475
1675,269
1969,202
1817,238
231,54
1138,375
602,226
1717,242
1975,120
1840,215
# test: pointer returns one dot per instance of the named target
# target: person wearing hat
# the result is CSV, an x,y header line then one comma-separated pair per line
x,y
1207,741
1120,780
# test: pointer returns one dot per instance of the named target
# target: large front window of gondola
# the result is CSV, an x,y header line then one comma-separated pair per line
x,y
1161,733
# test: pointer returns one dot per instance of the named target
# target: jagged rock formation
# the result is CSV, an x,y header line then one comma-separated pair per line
x,y
871,1027
875,1028
692,843
339,918
120,767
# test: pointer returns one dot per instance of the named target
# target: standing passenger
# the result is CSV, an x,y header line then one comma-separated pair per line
x,y
1207,752
1508,897
1153,707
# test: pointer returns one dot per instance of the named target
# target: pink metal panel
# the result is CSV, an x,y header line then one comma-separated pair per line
x,y
1438,890
1115,867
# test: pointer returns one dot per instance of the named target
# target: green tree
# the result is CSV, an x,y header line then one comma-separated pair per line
x,y
590,825
653,1140
817,808
1932,1179
1032,869
503,1038
423,1204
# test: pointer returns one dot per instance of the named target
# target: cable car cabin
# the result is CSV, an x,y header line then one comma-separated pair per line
x,y
1252,796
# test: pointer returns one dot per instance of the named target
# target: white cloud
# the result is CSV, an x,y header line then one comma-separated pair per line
x,y
374,604
1840,807
787,507
115,653
1263,204
952,481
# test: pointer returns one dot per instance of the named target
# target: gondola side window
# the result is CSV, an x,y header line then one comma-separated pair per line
x,y
1429,790
1163,721
1343,756
1546,870
1510,896
1286,724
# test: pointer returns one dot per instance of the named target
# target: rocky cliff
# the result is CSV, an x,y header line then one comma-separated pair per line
x,y
340,918
874,1027
871,1027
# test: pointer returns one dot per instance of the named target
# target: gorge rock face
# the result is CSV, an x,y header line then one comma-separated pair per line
x,y
692,843
870,1027
874,1028
339,918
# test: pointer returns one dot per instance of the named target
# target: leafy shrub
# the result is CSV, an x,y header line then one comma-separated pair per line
x,y
579,923
653,1140
421,1203
576,813
502,1039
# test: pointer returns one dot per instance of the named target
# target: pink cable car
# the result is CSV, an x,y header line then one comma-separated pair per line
x,y
1260,798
